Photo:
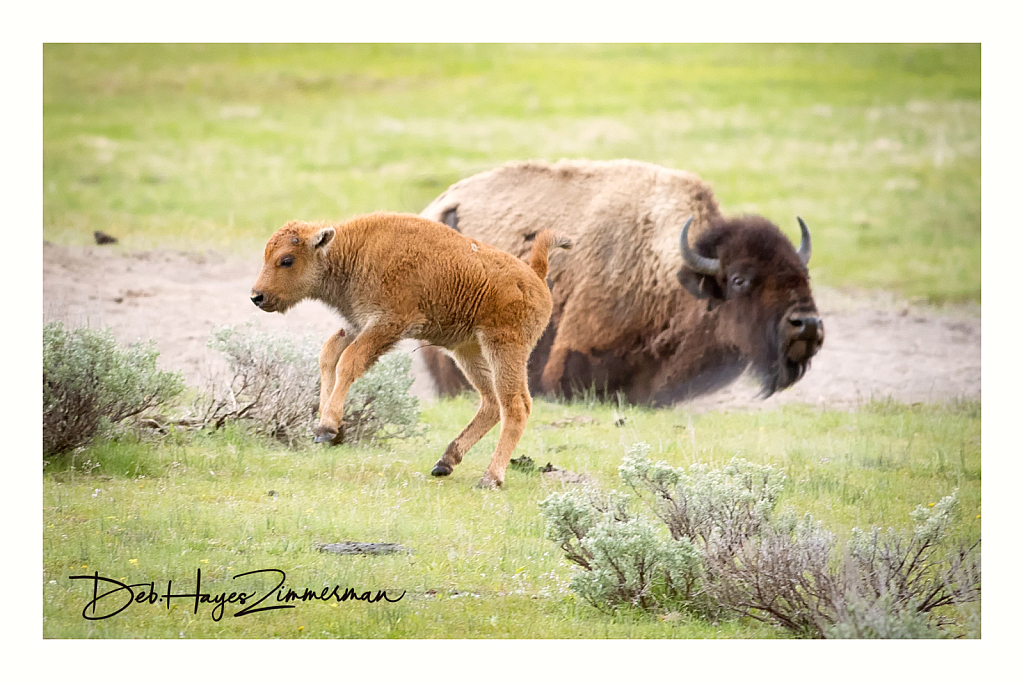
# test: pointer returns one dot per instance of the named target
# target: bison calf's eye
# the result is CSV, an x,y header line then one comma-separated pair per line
x,y
287,261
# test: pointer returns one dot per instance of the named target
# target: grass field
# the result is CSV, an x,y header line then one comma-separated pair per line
x,y
878,147
480,566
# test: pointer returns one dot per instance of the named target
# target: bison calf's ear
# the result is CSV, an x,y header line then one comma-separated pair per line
x,y
322,239
701,286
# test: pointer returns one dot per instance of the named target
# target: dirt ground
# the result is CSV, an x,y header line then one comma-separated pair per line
x,y
876,345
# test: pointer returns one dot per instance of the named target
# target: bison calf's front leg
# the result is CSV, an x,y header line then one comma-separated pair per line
x,y
354,360
330,354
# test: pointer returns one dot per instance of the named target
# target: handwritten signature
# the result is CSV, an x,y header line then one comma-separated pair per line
x,y
121,596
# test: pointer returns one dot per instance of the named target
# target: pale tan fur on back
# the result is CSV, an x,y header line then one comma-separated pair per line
x,y
578,198
620,279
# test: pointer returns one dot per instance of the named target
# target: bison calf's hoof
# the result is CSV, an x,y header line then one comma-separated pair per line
x,y
326,435
440,469
488,483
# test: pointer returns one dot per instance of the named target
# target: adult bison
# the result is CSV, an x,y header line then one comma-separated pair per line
x,y
662,298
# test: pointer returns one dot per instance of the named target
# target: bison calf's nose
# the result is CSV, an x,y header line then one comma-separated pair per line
x,y
257,299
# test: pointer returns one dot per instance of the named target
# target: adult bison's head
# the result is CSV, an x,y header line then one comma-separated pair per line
x,y
293,263
757,285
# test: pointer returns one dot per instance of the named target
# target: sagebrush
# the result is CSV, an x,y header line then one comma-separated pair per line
x,y
721,546
90,381
273,386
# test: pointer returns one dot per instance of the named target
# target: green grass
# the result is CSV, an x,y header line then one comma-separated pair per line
x,y
878,147
480,567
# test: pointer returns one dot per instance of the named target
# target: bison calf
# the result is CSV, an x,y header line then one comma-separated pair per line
x,y
395,276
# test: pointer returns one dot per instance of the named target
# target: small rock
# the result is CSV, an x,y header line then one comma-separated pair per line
x,y
349,547
103,238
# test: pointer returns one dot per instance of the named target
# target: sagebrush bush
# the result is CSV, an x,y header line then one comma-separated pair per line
x,y
881,619
630,562
708,505
89,381
626,559
274,387
913,571
727,548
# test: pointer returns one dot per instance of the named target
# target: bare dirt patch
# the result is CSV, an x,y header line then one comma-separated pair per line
x,y
877,346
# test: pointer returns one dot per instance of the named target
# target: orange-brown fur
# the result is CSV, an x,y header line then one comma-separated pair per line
x,y
394,276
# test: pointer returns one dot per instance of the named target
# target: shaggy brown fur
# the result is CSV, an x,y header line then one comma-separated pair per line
x,y
395,276
621,320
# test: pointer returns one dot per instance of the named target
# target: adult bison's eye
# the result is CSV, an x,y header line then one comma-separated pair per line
x,y
739,284
287,261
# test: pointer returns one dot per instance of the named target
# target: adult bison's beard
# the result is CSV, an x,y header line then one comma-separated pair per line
x,y
772,365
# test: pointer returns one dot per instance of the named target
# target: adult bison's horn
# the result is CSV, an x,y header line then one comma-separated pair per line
x,y
697,263
805,242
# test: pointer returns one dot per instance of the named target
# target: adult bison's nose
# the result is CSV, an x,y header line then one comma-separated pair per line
x,y
257,298
806,334
806,328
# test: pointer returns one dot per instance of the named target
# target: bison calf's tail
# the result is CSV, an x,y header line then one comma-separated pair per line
x,y
544,242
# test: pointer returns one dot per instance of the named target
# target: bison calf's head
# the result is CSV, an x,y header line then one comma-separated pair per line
x,y
757,285
293,266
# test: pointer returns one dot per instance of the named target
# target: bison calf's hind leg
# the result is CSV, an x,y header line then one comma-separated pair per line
x,y
473,365
509,368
